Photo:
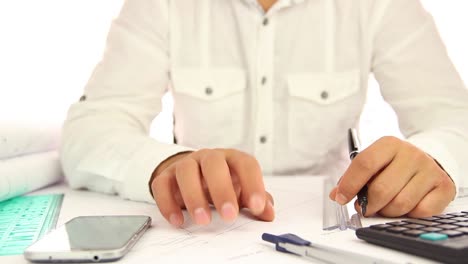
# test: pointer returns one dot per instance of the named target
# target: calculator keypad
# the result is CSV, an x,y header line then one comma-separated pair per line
x,y
441,237
453,224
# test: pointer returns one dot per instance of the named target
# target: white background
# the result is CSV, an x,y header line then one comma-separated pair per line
x,y
48,49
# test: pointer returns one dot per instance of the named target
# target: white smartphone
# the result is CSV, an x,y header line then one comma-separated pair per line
x,y
89,239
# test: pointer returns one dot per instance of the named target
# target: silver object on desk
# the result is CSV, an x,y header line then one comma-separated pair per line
x,y
336,216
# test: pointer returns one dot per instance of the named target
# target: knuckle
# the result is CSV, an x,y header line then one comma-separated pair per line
x,y
448,185
203,152
417,156
379,189
402,204
364,163
250,162
439,176
184,165
391,140
211,156
441,179
424,211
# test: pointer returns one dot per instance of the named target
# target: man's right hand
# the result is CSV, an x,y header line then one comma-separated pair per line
x,y
227,178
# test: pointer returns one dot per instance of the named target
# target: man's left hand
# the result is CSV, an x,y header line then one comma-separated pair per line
x,y
401,180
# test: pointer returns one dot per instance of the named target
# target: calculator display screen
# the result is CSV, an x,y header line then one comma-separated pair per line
x,y
91,233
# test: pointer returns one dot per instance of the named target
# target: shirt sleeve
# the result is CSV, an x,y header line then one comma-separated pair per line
x,y
419,81
105,143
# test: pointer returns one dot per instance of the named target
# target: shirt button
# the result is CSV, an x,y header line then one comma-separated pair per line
x,y
263,139
264,80
83,98
265,22
208,91
324,95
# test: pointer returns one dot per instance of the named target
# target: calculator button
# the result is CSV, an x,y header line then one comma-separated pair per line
x,y
446,221
463,229
380,227
457,214
447,226
460,218
398,223
432,218
413,233
433,236
432,229
444,216
415,226
451,233
464,224
421,222
397,229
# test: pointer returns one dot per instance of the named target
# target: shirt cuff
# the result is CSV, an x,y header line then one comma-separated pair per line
x,y
438,151
141,167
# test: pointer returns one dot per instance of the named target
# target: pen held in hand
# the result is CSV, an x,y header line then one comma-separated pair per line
x,y
353,145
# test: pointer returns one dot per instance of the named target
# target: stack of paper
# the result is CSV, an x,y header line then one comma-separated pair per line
x,y
28,157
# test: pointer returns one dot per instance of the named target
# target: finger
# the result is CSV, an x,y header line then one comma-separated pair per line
x,y
189,181
216,173
390,182
408,198
178,197
364,166
163,187
332,194
247,169
435,201
269,213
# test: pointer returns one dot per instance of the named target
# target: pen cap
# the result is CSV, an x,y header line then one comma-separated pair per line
x,y
353,142
284,238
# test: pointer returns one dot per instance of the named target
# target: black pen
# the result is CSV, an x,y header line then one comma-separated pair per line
x,y
353,145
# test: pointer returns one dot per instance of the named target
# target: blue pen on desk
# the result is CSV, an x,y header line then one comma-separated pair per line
x,y
353,145
290,243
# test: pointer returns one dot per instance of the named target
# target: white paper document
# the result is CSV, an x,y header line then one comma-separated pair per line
x,y
298,206
18,138
23,174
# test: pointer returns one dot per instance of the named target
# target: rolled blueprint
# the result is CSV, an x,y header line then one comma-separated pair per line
x,y
24,174
18,138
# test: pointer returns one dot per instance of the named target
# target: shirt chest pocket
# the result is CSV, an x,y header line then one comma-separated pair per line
x,y
321,107
209,107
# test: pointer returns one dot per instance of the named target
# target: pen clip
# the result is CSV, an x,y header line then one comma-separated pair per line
x,y
285,238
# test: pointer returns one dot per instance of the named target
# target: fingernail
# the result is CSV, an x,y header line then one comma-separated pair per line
x,y
331,192
201,216
257,204
175,220
228,212
341,199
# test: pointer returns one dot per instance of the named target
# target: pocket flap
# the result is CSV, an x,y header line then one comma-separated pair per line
x,y
209,84
324,88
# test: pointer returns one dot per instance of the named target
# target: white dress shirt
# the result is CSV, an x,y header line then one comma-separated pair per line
x,y
283,85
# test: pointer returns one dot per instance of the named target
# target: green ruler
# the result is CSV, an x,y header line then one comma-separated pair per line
x,y
25,219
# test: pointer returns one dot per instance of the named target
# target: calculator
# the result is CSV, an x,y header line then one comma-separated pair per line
x,y
441,237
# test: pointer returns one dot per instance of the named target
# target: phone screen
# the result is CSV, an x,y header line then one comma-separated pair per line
x,y
91,233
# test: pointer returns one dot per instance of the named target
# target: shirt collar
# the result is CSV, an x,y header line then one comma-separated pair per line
x,y
278,5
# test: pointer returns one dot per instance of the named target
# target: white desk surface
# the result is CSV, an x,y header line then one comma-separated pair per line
x,y
298,204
